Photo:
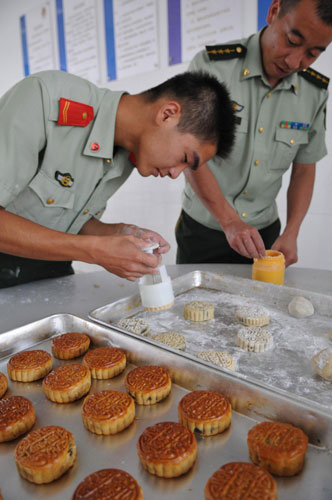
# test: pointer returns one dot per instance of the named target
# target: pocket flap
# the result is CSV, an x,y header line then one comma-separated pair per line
x,y
51,193
292,137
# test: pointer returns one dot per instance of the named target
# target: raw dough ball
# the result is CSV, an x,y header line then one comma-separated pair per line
x,y
252,316
254,339
322,363
300,307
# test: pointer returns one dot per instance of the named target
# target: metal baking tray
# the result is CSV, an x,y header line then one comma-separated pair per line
x,y
252,403
285,367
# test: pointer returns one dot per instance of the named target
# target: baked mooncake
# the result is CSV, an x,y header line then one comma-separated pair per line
x,y
148,384
105,362
3,384
167,449
108,412
27,366
108,484
172,339
67,383
205,412
278,447
70,345
239,480
254,339
17,416
135,325
198,311
45,454
219,358
252,316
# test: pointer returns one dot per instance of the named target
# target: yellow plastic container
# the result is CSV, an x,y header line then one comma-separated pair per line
x,y
270,268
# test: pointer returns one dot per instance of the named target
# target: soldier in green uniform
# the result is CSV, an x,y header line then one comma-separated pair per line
x,y
66,146
229,210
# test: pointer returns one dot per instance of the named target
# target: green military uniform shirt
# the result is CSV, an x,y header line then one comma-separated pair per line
x,y
250,177
58,176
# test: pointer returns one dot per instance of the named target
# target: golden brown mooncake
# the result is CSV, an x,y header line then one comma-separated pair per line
x,y
67,383
17,416
108,412
167,449
105,362
45,454
3,384
205,412
148,384
278,447
108,484
239,480
27,366
70,345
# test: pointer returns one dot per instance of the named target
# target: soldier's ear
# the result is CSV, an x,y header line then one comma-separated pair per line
x,y
169,113
273,11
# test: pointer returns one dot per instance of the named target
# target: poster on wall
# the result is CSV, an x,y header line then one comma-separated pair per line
x,y
78,38
192,24
38,45
131,36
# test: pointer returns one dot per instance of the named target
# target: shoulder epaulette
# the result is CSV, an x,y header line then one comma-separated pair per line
x,y
316,78
223,52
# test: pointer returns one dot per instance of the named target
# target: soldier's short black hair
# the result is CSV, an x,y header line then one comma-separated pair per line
x,y
323,9
206,108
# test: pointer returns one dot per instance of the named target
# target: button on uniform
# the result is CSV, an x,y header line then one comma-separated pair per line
x,y
95,146
50,201
85,212
245,191
108,160
244,215
261,130
292,141
256,163
246,72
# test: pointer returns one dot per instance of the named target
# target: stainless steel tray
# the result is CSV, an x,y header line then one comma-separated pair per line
x,y
285,367
253,403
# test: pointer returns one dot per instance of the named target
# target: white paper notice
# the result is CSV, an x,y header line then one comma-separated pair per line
x,y
208,22
39,39
80,23
136,40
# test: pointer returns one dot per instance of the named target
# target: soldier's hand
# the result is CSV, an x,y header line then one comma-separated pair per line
x,y
287,244
123,255
244,239
146,234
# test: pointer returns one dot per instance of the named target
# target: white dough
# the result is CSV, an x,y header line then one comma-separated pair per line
x,y
322,363
300,307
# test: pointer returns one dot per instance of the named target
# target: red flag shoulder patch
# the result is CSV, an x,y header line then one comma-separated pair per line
x,y
74,113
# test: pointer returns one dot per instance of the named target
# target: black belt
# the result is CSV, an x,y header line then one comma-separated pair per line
x,y
18,270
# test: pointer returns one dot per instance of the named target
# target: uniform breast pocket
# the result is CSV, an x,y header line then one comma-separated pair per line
x,y
241,143
48,203
287,144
